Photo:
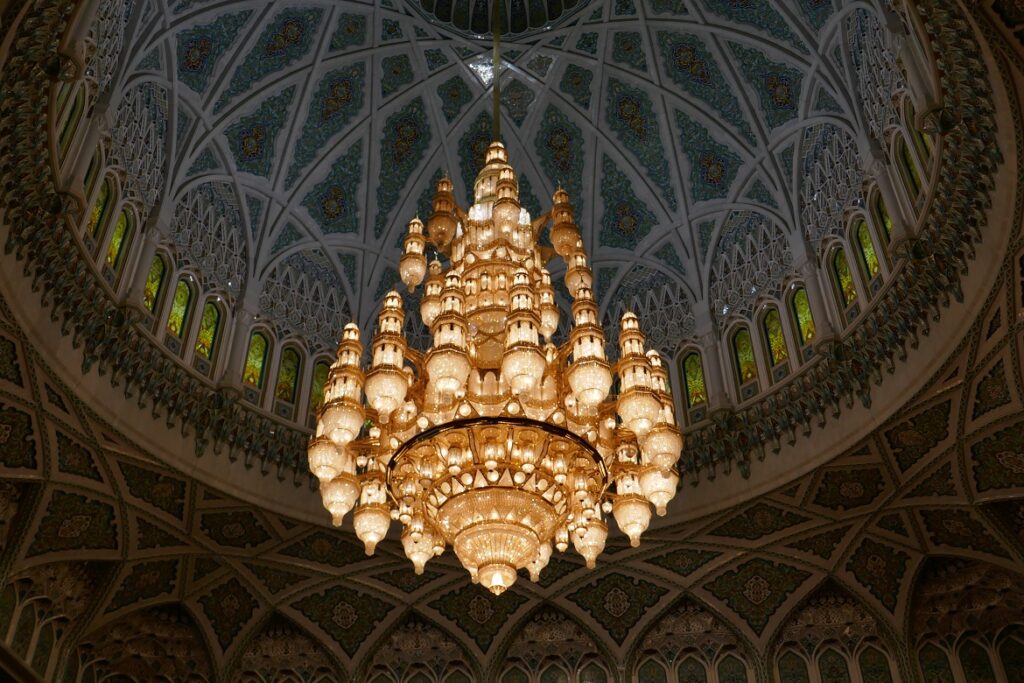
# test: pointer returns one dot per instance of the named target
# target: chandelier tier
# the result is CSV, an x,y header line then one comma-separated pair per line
x,y
496,441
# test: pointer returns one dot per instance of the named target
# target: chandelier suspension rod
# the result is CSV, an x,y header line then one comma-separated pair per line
x,y
496,85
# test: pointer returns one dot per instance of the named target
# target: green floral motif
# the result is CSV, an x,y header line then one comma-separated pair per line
x,y
684,561
235,529
396,72
146,580
960,529
992,392
914,438
758,521
618,602
74,458
628,49
407,581
778,86
10,369
849,488
823,544
74,522
274,579
346,615
228,608
152,536
998,460
455,95
350,32
756,589
478,613
17,440
879,568
326,548
159,490
938,483
576,83
404,140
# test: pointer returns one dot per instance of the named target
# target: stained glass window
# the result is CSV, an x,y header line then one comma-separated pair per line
x,y
651,672
976,664
316,391
692,671
209,326
868,255
778,352
882,215
793,669
833,668
99,209
732,670
696,390
288,376
118,240
181,306
255,360
874,666
910,173
154,284
743,350
67,131
935,665
804,318
844,278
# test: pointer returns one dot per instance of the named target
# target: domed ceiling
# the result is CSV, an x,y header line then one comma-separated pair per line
x,y
681,128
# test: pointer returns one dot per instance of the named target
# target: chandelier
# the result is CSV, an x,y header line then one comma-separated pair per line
x,y
496,441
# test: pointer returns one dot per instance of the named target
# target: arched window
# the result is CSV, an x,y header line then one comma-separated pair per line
x,y
70,124
693,375
515,675
976,664
908,169
90,172
288,376
922,140
209,329
833,668
119,239
846,288
743,356
803,317
651,672
793,669
732,670
866,247
690,670
1011,652
593,673
154,288
181,308
554,674
934,665
256,360
775,337
882,215
316,390
100,209
874,666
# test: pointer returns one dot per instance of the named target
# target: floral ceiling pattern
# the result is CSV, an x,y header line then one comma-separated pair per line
x,y
329,121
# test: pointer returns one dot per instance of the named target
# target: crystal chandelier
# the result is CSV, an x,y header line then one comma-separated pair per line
x,y
493,441
496,442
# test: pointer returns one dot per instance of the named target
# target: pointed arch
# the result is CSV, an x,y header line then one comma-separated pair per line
x,y
281,650
392,657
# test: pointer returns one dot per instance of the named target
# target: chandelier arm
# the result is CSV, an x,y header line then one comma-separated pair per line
x,y
509,421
